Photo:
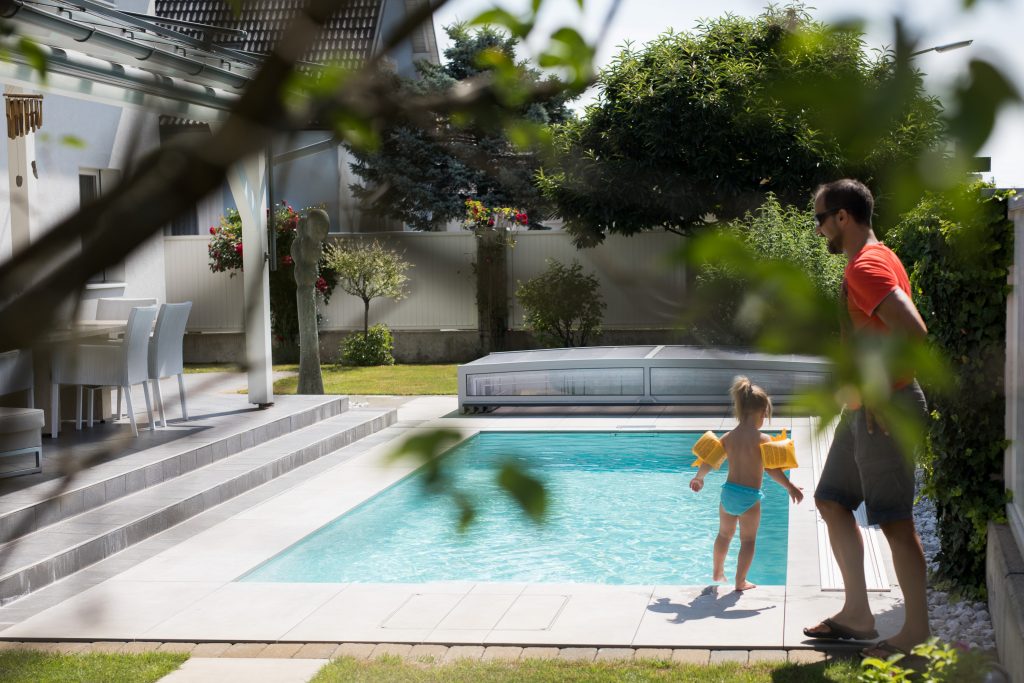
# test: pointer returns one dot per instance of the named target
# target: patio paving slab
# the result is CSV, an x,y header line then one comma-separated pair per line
x,y
532,616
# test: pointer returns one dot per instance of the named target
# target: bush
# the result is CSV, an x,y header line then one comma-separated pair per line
x,y
772,232
562,305
372,348
225,251
959,250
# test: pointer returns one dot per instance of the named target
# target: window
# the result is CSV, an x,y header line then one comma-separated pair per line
x,y
92,183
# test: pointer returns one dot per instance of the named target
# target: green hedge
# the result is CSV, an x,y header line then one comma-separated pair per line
x,y
959,249
773,232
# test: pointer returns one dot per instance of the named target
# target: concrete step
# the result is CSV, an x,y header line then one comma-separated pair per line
x,y
30,509
62,548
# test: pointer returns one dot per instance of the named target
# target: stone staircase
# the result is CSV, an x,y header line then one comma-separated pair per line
x,y
48,534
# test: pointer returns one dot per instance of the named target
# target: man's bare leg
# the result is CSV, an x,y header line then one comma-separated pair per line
x,y
848,548
912,574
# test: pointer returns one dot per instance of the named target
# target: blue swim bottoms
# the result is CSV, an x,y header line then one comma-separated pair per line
x,y
737,499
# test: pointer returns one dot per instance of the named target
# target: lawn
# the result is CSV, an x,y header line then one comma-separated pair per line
x,y
30,666
396,380
551,671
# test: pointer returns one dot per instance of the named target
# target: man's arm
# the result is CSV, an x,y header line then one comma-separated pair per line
x,y
900,315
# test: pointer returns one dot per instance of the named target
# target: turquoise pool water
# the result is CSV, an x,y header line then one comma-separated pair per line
x,y
620,512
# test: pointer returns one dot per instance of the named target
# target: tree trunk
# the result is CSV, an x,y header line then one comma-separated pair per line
x,y
366,318
306,252
492,290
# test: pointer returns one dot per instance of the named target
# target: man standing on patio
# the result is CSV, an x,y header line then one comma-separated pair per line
x,y
865,463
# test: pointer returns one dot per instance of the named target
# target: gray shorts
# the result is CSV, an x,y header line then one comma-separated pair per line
x,y
872,468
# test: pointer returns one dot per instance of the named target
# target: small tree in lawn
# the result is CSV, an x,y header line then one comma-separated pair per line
x,y
369,271
562,305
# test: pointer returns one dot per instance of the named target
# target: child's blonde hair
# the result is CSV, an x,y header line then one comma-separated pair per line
x,y
748,398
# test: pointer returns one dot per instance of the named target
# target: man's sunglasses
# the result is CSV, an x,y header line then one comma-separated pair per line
x,y
819,218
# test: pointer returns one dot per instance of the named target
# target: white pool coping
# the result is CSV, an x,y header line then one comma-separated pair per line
x,y
189,592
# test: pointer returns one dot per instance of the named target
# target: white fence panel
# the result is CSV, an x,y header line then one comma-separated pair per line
x,y
216,297
639,282
441,287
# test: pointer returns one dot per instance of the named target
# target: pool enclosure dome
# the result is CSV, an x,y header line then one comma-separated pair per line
x,y
630,375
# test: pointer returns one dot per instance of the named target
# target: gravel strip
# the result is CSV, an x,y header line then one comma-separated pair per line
x,y
965,623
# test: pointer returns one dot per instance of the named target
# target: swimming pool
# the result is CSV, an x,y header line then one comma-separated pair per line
x,y
620,512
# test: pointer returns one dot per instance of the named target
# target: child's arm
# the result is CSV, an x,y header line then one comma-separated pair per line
x,y
795,492
697,483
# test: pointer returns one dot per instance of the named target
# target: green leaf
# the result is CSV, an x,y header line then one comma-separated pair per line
x,y
34,54
570,51
73,141
427,446
528,491
501,17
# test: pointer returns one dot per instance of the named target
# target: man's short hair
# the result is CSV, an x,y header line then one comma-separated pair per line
x,y
849,194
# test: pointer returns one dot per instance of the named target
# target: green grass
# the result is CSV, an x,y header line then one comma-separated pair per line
x,y
392,668
27,666
397,380
200,368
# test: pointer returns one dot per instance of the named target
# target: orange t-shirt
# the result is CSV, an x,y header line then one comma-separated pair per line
x,y
870,276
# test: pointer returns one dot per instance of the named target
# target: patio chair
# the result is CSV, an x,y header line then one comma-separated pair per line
x,y
116,308
113,308
114,364
165,353
20,428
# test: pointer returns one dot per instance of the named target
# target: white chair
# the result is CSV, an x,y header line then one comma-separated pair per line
x,y
117,364
165,353
111,308
116,308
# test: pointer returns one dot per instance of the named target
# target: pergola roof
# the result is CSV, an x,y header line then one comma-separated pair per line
x,y
193,71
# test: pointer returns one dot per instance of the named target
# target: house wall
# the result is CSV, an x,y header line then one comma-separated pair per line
x,y
109,139
1004,563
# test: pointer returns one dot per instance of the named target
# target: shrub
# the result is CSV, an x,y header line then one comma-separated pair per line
x,y
936,661
225,250
562,305
373,347
959,250
772,232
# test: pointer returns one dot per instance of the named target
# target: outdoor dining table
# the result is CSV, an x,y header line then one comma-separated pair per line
x,y
82,331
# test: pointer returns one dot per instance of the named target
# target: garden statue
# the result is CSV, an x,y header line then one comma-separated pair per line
x,y
311,233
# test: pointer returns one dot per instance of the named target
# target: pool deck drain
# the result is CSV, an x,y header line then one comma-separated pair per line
x,y
188,590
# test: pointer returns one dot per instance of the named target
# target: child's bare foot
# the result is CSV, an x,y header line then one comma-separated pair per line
x,y
719,578
745,585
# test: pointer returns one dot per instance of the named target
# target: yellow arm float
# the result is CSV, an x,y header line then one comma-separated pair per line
x,y
708,449
779,453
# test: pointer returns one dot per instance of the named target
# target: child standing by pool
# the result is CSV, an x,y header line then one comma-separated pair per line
x,y
741,493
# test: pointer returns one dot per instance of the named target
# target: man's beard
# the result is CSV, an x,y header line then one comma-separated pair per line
x,y
835,245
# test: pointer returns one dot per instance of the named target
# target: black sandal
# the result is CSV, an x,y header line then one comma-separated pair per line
x,y
837,631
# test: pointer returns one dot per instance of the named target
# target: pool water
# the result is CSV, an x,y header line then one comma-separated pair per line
x,y
620,511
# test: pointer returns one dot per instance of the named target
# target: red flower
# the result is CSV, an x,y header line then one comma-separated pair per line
x,y
287,260
238,248
213,230
321,284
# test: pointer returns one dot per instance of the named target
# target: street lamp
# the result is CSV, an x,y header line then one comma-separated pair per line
x,y
943,48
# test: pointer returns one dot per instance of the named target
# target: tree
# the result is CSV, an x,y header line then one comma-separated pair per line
x,y
563,305
710,122
368,271
423,176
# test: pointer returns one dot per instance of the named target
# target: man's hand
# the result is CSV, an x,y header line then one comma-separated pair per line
x,y
696,484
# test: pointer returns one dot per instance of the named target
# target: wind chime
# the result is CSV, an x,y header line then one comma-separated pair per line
x,y
24,114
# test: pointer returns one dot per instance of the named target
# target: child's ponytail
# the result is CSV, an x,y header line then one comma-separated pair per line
x,y
748,398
